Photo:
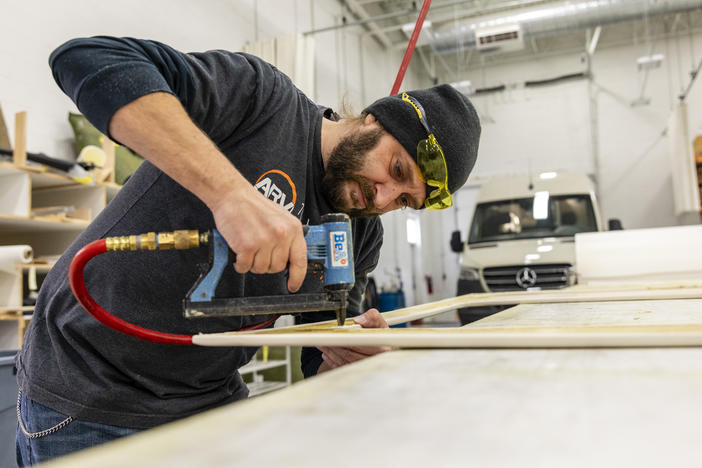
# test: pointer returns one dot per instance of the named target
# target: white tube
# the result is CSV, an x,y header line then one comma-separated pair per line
x,y
11,255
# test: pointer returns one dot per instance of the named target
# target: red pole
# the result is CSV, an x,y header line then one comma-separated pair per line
x,y
410,47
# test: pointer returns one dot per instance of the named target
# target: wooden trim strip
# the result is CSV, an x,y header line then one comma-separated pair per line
x,y
572,337
328,334
628,292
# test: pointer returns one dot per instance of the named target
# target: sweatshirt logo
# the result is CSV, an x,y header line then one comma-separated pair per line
x,y
277,186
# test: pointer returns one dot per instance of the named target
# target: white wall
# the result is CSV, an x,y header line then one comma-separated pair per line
x,y
34,28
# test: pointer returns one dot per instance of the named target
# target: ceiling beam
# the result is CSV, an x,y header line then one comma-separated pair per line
x,y
360,12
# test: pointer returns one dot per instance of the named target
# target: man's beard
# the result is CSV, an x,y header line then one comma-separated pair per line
x,y
345,161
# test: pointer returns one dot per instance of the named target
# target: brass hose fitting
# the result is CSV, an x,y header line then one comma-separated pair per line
x,y
180,240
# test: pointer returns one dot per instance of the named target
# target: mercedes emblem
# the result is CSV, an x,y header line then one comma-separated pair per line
x,y
526,278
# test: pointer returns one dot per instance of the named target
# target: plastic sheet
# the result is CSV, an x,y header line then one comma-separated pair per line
x,y
658,254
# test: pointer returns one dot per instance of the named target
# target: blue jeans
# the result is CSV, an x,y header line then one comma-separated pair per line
x,y
70,437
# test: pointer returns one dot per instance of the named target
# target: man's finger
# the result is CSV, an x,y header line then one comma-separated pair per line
x,y
332,360
262,262
244,261
344,355
298,262
371,319
279,259
370,350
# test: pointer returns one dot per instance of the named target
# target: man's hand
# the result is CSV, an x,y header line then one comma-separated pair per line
x,y
334,357
264,235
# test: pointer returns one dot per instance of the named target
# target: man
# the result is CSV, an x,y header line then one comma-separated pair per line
x,y
231,144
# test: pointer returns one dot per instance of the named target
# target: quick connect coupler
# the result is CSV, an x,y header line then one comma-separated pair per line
x,y
179,240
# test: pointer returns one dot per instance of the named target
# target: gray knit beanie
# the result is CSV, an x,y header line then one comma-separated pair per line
x,y
451,118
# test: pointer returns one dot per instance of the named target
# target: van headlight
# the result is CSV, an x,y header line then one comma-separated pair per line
x,y
470,274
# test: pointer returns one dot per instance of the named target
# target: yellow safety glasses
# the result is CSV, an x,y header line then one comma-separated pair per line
x,y
431,162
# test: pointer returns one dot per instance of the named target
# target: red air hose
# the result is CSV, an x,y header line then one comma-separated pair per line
x,y
410,47
75,275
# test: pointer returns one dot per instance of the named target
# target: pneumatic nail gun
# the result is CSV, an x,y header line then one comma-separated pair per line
x,y
330,277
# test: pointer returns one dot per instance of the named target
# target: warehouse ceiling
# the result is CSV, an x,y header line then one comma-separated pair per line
x,y
459,35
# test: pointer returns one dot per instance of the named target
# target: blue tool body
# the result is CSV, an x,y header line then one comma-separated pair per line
x,y
331,243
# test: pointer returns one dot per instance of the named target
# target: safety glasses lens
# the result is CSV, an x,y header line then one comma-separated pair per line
x,y
431,162
439,199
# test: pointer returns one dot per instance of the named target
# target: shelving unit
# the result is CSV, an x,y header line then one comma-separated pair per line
x,y
260,363
24,190
258,386
46,211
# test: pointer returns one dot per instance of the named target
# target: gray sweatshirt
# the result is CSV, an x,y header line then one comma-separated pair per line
x,y
270,131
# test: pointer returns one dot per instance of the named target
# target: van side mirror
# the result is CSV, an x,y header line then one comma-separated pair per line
x,y
456,242
615,224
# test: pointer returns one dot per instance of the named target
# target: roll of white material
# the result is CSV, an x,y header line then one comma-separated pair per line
x,y
11,255
634,255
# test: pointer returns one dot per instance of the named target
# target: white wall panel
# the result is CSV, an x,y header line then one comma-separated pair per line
x,y
536,129
39,27
671,254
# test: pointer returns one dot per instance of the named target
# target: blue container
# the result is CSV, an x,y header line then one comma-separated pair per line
x,y
8,413
388,301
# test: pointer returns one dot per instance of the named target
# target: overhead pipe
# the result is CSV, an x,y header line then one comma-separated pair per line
x,y
557,17
414,10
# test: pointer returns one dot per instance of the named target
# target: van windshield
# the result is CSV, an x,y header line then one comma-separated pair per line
x,y
528,218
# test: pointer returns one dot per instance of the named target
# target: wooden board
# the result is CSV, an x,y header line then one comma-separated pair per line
x,y
107,173
563,337
627,334
621,292
4,135
19,154
595,314
572,408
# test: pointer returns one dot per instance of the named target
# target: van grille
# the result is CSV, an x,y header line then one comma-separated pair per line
x,y
531,276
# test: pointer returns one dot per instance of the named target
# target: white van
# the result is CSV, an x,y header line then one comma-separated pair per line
x,y
522,235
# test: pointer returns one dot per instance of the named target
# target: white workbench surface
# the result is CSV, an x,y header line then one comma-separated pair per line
x,y
444,408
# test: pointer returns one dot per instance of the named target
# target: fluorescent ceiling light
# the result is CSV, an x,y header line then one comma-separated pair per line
x,y
548,175
648,62
540,208
465,86
414,231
